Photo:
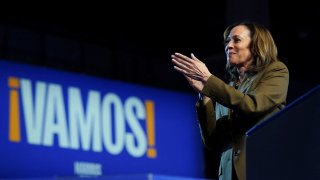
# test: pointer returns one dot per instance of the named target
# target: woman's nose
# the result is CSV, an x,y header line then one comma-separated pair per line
x,y
228,46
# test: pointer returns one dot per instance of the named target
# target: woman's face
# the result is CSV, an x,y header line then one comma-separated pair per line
x,y
237,46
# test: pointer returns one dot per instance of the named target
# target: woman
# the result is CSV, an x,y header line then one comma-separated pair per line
x,y
257,88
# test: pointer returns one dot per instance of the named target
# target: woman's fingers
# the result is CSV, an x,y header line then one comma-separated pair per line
x,y
183,58
194,57
181,61
181,65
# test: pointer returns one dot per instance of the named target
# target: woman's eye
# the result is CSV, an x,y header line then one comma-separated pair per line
x,y
237,40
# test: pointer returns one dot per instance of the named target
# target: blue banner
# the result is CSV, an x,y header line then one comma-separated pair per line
x,y
61,124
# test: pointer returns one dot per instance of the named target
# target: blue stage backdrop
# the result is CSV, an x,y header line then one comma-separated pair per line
x,y
60,124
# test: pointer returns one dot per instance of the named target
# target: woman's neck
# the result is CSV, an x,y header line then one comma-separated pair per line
x,y
242,71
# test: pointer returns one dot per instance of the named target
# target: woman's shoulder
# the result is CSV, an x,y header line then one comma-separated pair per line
x,y
277,65
273,69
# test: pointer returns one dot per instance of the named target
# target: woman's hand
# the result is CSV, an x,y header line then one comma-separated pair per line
x,y
194,70
195,84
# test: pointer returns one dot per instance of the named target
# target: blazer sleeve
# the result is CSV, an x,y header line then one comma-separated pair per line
x,y
268,92
214,133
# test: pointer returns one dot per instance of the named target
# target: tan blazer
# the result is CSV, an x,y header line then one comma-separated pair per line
x,y
231,111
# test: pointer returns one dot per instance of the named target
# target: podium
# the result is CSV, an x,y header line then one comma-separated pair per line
x,y
287,145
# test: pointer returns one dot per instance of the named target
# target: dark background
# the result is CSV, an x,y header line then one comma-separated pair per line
x,y
132,42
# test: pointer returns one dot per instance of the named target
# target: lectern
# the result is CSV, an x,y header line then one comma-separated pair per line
x,y
287,145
